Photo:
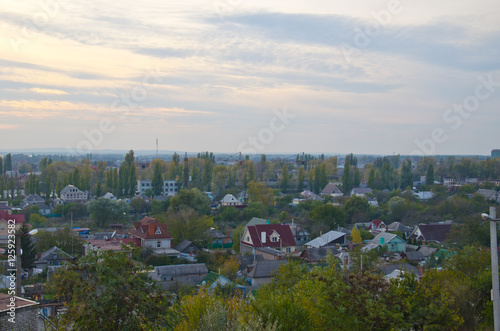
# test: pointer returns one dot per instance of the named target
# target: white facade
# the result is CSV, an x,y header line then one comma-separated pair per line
x,y
169,187
72,194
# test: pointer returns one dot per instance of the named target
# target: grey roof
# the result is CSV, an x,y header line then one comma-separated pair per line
x,y
256,221
325,239
360,190
185,244
388,268
262,269
33,198
246,260
216,233
319,254
415,256
61,255
268,250
427,251
182,269
397,226
489,194
3,206
331,188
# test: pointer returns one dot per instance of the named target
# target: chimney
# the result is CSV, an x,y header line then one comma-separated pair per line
x,y
151,229
263,237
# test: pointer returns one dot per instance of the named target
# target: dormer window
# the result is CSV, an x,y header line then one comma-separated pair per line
x,y
158,231
274,239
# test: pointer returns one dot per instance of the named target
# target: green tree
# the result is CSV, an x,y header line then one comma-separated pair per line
x,y
259,192
188,224
157,181
406,175
356,209
300,179
65,239
328,214
207,174
109,291
347,179
284,178
132,179
7,163
192,198
429,175
104,211
28,248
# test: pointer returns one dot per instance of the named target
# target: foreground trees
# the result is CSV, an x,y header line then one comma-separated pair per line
x,y
108,291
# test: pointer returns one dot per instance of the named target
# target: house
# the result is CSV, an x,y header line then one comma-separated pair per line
x,y
331,238
427,233
275,236
361,191
376,226
154,235
219,239
25,317
331,189
169,187
187,250
108,244
372,201
52,257
230,200
257,220
5,206
314,254
7,221
300,234
427,251
72,194
394,270
262,272
423,195
415,256
489,194
168,275
213,280
109,196
31,200
393,242
399,227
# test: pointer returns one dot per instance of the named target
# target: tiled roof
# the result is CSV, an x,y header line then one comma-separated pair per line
x,y
5,215
5,301
286,236
150,228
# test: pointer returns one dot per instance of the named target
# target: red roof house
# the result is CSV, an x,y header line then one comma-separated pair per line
x,y
154,234
274,236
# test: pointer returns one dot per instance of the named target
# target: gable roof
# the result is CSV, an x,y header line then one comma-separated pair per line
x,y
387,237
262,269
284,232
150,228
5,215
406,267
376,224
331,188
397,226
188,246
432,232
229,198
61,255
4,206
325,239
361,190
427,251
33,198
415,256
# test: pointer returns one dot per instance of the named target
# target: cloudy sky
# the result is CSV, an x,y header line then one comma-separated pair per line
x,y
374,77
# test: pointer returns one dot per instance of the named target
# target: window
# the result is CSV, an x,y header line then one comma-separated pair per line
x,y
288,250
158,244
274,239
2,227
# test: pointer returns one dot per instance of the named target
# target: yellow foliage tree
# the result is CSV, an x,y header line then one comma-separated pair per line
x,y
355,235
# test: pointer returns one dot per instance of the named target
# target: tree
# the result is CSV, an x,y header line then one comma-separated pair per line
x,y
356,178
406,175
192,198
132,179
207,174
236,236
347,179
157,181
259,192
355,235
108,291
300,179
188,224
28,248
138,205
104,211
284,178
429,175
65,239
328,214
356,208
397,207
185,172
7,163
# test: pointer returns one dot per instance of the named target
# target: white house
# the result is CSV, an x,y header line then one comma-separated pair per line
x,y
72,194
154,234
230,200
170,187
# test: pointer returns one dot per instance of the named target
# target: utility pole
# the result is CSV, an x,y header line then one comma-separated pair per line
x,y
495,291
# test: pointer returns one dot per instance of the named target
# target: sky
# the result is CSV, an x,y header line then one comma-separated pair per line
x,y
363,77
